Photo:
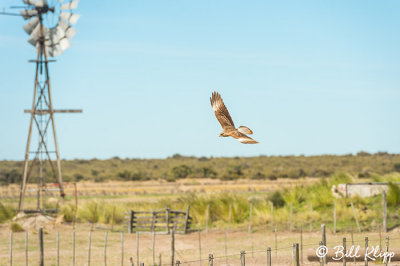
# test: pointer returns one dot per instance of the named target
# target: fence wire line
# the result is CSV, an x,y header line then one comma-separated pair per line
x,y
281,248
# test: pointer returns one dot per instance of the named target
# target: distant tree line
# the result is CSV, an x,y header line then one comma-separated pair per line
x,y
362,165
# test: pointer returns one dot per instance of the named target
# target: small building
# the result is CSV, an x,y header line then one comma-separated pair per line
x,y
360,189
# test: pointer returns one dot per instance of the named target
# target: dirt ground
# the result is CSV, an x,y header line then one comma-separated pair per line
x,y
186,246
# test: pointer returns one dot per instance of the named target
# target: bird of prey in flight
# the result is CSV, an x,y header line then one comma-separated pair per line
x,y
228,127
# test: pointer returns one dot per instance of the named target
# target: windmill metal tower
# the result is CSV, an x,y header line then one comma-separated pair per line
x,y
50,32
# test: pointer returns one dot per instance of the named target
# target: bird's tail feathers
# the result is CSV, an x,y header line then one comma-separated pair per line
x,y
245,130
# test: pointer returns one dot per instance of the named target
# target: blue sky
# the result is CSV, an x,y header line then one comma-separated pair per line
x,y
308,77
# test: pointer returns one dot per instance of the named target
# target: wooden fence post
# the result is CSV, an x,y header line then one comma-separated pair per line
x,y
250,231
11,248
311,217
187,219
276,243
172,247
355,217
230,216
26,248
90,246
167,219
199,247
323,238
41,246
73,248
301,243
58,248
384,207
269,256
122,248
344,251
226,247
137,248
242,258
153,246
291,217
159,260
210,260
321,260
207,217
272,217
250,213
366,250
105,248
334,218
295,254
131,217
352,242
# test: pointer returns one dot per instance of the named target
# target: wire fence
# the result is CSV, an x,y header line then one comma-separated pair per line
x,y
198,248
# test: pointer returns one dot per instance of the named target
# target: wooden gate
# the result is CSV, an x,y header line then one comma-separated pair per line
x,y
160,222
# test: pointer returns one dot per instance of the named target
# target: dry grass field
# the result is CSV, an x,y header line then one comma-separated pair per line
x,y
187,246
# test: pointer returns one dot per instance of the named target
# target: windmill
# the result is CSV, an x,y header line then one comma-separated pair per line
x,y
50,30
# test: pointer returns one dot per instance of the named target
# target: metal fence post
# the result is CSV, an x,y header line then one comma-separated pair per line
x,y
344,251
387,249
41,262
26,248
384,207
366,250
172,247
11,248
269,257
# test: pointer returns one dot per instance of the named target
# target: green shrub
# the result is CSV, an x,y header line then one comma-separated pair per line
x,y
393,194
181,171
68,210
112,214
90,212
16,227
208,172
6,213
396,167
258,176
277,199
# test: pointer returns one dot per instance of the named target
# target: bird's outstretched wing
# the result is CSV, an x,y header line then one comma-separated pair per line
x,y
221,112
242,137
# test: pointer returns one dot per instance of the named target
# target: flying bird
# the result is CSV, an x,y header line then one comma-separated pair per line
x,y
228,127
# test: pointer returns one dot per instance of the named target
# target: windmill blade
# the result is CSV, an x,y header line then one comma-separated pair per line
x,y
69,17
70,5
31,25
36,3
28,13
34,37
54,50
65,44
56,34
69,31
